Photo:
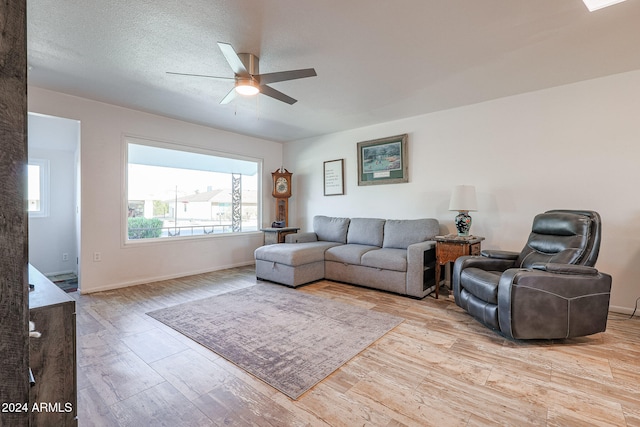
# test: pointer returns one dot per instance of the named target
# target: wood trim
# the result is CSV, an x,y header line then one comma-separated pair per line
x,y
14,293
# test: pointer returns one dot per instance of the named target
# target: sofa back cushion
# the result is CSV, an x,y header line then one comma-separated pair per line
x,y
366,231
402,233
331,229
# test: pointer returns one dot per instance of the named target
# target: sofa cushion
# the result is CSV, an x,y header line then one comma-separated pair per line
x,y
331,229
402,233
386,259
366,231
293,253
348,254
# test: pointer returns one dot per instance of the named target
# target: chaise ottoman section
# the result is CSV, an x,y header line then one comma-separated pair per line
x,y
292,264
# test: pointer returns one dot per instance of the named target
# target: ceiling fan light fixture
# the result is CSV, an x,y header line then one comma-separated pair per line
x,y
247,87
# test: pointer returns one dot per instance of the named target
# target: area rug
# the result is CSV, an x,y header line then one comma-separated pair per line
x,y
289,339
68,282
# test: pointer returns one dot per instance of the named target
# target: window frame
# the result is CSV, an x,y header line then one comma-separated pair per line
x,y
45,188
127,139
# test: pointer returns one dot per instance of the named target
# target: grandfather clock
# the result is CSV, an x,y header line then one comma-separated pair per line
x,y
282,192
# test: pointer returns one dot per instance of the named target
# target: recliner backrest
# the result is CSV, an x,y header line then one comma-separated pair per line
x,y
593,246
562,236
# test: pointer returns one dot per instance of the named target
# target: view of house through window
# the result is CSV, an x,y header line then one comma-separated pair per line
x,y
38,187
172,192
34,188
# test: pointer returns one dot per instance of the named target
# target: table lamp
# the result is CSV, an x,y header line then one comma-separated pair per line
x,y
463,200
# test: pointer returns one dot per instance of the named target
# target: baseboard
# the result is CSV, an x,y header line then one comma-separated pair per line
x,y
614,309
622,310
159,278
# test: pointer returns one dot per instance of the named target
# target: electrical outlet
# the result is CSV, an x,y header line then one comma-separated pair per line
x,y
65,256
97,257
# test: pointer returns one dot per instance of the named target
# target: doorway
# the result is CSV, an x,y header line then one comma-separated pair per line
x,y
54,198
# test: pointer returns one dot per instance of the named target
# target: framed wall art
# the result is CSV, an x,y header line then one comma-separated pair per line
x,y
334,177
383,161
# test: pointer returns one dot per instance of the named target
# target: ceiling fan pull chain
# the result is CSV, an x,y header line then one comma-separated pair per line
x,y
258,107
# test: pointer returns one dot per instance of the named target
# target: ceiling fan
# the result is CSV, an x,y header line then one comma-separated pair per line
x,y
248,81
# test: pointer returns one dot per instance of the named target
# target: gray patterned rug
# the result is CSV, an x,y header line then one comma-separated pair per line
x,y
288,339
68,282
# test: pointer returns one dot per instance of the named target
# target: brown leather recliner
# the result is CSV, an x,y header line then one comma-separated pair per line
x,y
550,290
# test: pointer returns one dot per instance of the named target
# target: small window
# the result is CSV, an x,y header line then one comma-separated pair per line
x,y
38,188
175,191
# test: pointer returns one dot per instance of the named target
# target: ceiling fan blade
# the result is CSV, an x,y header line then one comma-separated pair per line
x,y
200,75
229,97
233,59
269,91
286,75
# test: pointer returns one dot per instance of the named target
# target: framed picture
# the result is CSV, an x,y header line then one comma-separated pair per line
x,y
383,161
334,177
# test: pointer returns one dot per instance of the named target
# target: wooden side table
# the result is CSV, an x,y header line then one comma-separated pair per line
x,y
276,235
452,246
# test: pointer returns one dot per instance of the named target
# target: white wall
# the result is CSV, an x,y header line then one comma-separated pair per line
x,y
573,147
102,173
54,234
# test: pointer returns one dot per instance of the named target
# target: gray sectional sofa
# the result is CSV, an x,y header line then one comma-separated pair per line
x,y
391,255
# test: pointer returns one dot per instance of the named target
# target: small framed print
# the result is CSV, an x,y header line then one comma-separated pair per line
x,y
334,177
383,161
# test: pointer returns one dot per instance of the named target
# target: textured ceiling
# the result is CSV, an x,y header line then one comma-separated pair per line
x,y
376,60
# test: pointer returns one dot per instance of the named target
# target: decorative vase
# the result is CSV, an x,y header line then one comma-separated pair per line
x,y
463,223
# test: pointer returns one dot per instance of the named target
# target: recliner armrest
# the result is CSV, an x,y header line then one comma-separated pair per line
x,y
552,267
534,304
490,253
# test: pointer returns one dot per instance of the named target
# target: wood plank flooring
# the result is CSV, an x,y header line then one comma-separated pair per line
x,y
439,367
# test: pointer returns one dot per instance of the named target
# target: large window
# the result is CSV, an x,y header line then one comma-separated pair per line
x,y
172,192
38,187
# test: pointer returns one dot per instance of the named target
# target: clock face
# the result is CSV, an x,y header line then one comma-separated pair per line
x,y
282,186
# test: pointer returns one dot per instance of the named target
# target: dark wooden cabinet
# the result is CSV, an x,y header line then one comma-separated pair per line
x,y
52,357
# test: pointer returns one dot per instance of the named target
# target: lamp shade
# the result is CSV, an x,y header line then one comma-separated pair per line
x,y
463,198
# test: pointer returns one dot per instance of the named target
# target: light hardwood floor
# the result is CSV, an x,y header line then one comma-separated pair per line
x,y
439,367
